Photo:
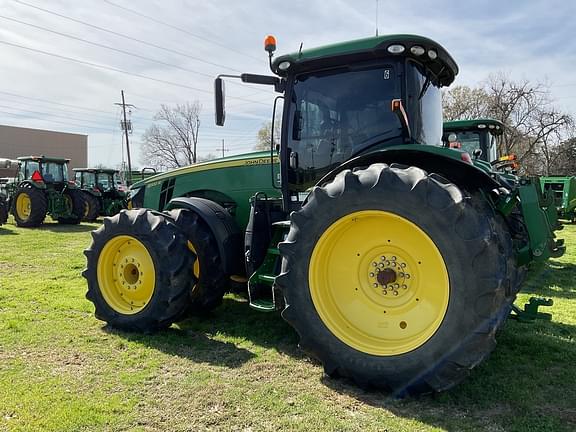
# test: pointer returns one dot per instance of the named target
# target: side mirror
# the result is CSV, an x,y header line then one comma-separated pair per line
x,y
219,101
477,153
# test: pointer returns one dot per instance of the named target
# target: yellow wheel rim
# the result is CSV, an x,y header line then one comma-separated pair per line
x,y
126,274
196,268
23,206
69,203
379,283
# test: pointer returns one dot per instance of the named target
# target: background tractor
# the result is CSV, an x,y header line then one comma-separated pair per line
x,y
42,188
394,258
101,193
562,189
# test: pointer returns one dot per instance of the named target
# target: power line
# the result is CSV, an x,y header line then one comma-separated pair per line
x,y
113,69
50,114
56,121
106,47
86,115
180,29
52,102
124,36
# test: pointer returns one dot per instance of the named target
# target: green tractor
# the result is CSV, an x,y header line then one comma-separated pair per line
x,y
390,255
480,138
563,192
101,194
42,188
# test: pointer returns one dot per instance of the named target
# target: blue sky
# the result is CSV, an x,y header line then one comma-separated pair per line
x,y
525,39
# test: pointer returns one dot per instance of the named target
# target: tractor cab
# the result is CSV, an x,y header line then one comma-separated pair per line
x,y
51,172
101,180
478,137
101,194
351,99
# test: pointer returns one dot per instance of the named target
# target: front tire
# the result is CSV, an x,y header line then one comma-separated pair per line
x,y
139,271
394,278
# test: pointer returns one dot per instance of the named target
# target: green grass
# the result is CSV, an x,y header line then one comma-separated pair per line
x,y
61,369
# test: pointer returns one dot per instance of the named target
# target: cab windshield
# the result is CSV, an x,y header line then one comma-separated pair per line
x,y
105,181
54,172
469,141
88,180
342,113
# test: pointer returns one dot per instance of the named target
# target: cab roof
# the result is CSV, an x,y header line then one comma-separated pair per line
x,y
443,66
96,170
43,158
495,126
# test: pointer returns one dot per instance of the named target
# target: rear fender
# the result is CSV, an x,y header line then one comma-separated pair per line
x,y
228,236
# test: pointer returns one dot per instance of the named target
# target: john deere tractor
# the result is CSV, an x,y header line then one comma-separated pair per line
x,y
101,195
42,188
391,256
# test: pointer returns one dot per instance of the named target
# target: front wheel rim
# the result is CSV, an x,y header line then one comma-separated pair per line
x,y
379,283
23,206
126,274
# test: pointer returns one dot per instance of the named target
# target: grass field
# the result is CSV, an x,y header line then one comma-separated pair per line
x,y
62,370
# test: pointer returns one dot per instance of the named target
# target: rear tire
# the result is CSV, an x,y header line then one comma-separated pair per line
x,y
29,206
76,207
394,342
152,290
92,207
209,270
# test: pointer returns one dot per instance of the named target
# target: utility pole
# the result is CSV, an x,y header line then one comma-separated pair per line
x,y
127,127
223,148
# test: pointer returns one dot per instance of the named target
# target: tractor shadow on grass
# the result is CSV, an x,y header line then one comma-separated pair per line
x,y
189,344
526,384
235,320
5,231
552,279
65,228
217,337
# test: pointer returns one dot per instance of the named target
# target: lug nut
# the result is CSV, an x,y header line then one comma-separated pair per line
x,y
395,293
401,274
374,264
375,285
381,265
404,286
393,258
407,276
371,274
382,257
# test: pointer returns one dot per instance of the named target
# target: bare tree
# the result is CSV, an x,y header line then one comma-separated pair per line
x,y
173,141
465,103
264,134
534,127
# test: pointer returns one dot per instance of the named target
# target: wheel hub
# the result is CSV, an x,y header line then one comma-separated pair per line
x,y
391,274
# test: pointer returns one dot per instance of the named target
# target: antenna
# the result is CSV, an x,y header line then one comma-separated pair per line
x,y
377,1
